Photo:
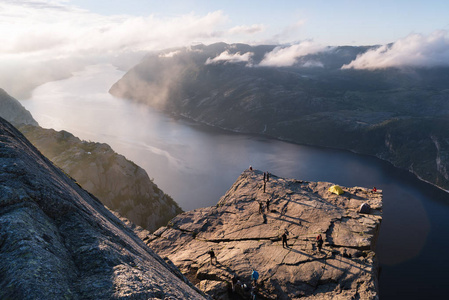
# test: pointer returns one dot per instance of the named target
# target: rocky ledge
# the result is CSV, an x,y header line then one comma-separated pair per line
x,y
245,238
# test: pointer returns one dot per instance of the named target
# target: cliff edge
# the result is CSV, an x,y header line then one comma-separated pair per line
x,y
57,241
245,236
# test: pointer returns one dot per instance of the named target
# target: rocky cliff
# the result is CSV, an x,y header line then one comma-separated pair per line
x,y
244,238
117,182
13,111
399,115
57,241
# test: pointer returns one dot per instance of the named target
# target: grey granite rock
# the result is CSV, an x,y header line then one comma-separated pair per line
x,y
57,241
244,239
13,111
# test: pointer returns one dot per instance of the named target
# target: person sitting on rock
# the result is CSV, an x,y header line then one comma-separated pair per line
x,y
212,256
345,254
234,281
319,242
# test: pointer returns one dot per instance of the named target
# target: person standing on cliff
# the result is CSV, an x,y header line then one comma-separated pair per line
x,y
319,242
284,240
212,256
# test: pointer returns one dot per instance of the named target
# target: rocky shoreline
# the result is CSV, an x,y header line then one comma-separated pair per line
x,y
245,237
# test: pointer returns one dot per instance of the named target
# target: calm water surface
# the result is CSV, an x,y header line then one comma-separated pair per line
x,y
197,164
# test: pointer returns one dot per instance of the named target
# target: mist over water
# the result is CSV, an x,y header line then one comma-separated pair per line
x,y
197,164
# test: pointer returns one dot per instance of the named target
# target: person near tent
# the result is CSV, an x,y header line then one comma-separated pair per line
x,y
212,256
319,242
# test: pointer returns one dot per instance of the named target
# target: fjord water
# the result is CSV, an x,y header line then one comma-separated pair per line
x,y
196,164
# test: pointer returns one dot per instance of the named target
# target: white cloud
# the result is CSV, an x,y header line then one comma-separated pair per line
x,y
287,56
37,32
415,50
170,54
228,57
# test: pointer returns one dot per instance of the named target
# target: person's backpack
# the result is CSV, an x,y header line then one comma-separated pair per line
x,y
255,275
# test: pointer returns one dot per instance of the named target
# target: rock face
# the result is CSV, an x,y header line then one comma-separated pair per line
x,y
399,115
57,241
118,183
244,239
13,111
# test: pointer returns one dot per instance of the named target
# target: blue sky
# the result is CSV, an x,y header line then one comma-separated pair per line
x,y
44,40
329,22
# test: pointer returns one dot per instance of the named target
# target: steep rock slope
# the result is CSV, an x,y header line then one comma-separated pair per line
x,y
244,239
400,115
13,111
59,242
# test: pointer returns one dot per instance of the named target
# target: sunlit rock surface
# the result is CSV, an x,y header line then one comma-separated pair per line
x,y
244,239
13,111
119,183
57,241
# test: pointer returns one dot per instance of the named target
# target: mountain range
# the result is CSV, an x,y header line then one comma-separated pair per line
x,y
397,114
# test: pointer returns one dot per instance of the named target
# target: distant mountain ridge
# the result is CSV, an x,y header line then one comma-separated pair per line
x,y
398,114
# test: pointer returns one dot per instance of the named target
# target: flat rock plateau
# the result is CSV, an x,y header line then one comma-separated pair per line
x,y
244,238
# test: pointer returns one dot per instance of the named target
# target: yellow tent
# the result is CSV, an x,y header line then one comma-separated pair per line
x,y
336,190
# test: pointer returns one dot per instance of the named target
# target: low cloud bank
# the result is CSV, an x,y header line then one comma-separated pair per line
x,y
228,57
288,56
46,40
415,50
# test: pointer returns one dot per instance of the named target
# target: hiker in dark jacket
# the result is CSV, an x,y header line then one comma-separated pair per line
x,y
212,256
284,240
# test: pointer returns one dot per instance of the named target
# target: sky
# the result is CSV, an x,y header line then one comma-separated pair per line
x,y
44,40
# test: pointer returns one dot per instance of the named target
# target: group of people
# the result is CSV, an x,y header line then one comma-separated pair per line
x,y
267,206
237,284
319,240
